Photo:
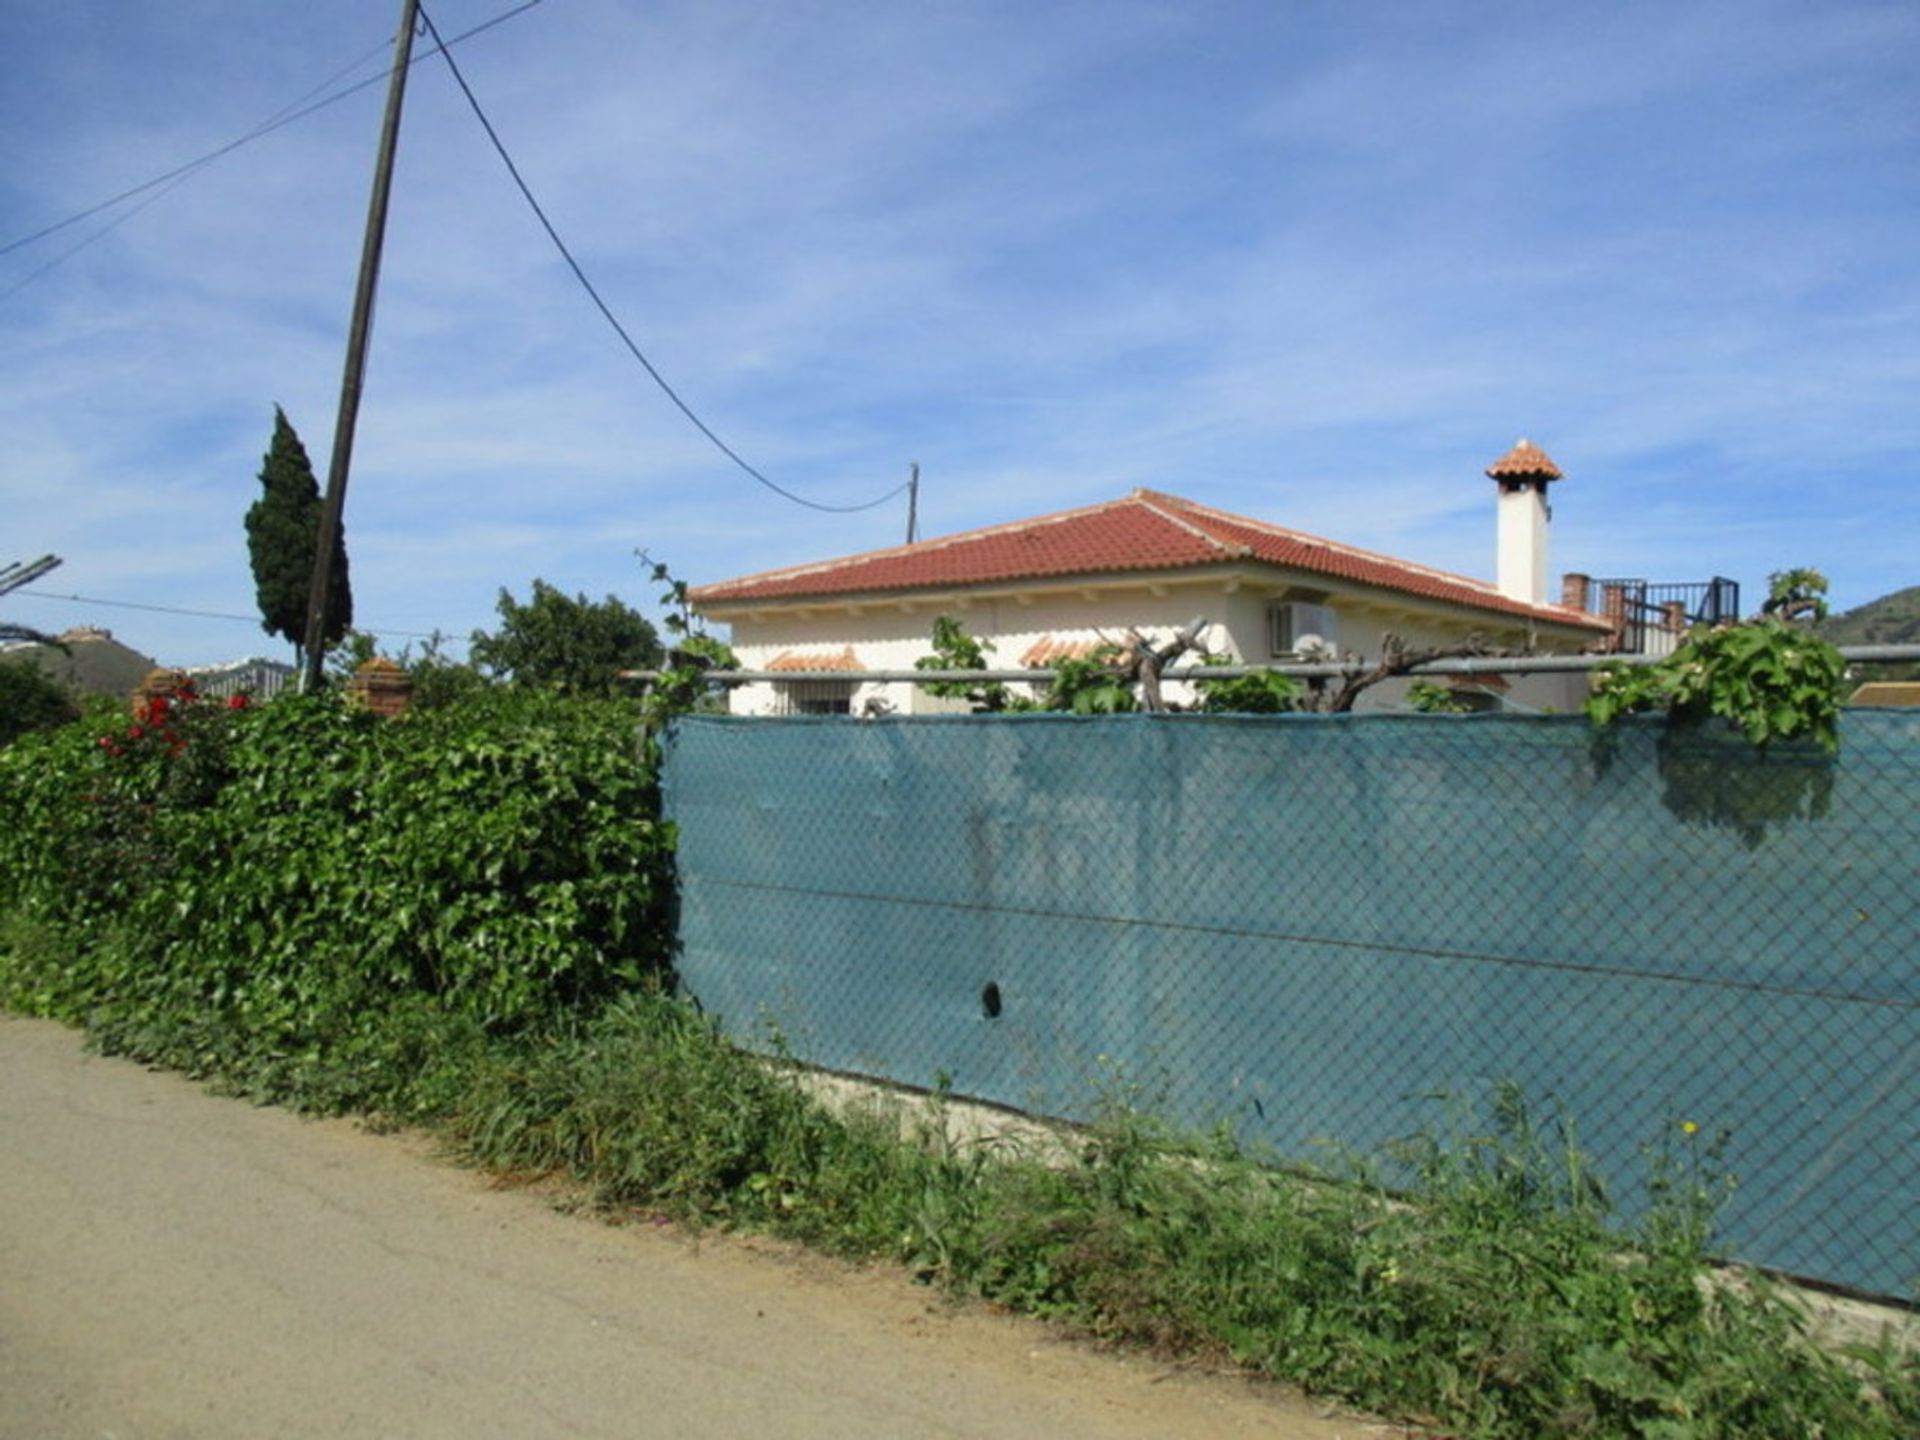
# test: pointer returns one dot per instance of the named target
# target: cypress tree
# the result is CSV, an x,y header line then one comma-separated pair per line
x,y
283,526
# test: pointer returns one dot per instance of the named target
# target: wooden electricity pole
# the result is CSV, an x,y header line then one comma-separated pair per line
x,y
319,595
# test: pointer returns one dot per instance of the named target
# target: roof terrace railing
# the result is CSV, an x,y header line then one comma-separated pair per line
x,y
1653,619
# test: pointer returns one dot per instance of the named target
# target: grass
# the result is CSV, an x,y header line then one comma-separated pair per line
x,y
1491,1298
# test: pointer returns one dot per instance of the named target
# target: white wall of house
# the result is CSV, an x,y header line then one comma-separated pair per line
x,y
1363,621
893,634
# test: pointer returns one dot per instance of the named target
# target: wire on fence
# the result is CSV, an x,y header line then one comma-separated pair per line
x,y
1310,927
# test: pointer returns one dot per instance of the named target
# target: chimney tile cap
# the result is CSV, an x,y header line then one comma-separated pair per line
x,y
1525,461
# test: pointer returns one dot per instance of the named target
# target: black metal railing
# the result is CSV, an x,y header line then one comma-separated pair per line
x,y
1654,618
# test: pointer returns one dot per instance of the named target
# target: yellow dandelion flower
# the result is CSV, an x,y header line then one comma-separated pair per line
x,y
1688,1127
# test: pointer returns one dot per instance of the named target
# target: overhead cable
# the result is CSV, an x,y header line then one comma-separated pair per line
x,y
179,178
210,614
266,128
611,319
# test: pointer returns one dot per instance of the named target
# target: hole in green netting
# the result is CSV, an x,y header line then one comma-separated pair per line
x,y
990,1001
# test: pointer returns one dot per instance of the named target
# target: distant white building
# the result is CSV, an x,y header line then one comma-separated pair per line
x,y
96,663
255,675
1058,585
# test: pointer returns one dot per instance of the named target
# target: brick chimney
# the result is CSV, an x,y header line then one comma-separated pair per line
x,y
1523,474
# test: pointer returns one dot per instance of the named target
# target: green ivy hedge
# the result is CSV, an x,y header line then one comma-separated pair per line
x,y
303,897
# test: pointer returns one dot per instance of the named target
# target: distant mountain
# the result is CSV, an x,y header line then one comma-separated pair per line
x,y
1891,620
94,662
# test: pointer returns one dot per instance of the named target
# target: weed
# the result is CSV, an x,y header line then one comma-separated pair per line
x,y
1491,1297
451,923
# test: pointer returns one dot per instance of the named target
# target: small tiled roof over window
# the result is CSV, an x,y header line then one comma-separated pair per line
x,y
1049,651
1143,532
801,661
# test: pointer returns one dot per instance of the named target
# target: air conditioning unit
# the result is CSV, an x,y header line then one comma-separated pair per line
x,y
1297,626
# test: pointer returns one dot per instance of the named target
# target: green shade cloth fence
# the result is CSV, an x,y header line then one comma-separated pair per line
x,y
1309,927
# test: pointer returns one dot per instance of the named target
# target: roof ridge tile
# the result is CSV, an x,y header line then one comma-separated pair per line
x,y
1150,499
916,547
1359,552
1144,530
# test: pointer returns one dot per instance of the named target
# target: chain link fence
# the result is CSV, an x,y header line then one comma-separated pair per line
x,y
1310,927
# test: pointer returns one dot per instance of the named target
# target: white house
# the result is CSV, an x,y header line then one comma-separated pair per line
x,y
1058,585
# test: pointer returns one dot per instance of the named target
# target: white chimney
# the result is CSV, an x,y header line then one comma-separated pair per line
x,y
1523,474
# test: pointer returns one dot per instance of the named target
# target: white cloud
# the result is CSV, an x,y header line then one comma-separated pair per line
x,y
1316,265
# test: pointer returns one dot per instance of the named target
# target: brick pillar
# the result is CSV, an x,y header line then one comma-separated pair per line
x,y
1573,590
382,686
1613,606
1673,615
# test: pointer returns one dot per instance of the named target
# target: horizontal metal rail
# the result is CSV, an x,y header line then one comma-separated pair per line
x,y
1334,669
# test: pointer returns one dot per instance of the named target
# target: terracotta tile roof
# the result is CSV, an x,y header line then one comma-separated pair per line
x,y
815,660
1144,531
1524,459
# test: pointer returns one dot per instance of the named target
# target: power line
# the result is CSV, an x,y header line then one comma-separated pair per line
x,y
181,178
209,614
98,235
611,318
266,128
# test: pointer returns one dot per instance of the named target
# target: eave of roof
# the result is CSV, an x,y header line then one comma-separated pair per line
x,y
1145,531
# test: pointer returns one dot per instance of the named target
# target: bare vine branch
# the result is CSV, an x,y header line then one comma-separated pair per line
x,y
1395,659
1144,662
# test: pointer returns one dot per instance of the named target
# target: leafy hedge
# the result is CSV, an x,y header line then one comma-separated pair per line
x,y
31,699
423,917
302,896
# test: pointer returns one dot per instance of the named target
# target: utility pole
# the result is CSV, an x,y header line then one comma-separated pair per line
x,y
358,334
913,503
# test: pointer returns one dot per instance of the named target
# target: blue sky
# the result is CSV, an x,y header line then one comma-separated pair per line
x,y
1318,263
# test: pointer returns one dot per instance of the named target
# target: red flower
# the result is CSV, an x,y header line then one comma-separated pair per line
x,y
237,702
134,732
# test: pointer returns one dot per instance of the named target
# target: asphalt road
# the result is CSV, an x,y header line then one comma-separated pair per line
x,y
176,1264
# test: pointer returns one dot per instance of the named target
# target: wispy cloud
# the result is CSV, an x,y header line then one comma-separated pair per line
x,y
1319,265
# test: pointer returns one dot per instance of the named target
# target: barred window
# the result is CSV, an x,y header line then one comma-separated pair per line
x,y
813,697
